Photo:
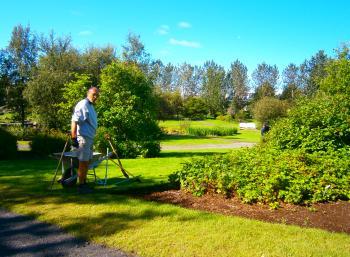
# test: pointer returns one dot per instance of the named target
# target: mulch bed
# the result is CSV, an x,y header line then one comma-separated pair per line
x,y
333,217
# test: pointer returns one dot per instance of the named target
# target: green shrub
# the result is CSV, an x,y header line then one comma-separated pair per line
x,y
214,131
8,149
47,142
269,175
128,108
226,117
314,125
269,109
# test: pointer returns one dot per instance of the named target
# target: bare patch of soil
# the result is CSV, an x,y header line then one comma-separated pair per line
x,y
333,217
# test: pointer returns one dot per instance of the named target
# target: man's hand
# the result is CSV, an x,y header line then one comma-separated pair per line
x,y
75,142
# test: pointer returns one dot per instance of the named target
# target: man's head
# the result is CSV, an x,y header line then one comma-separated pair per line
x,y
92,94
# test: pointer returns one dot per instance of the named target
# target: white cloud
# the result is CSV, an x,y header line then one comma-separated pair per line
x,y
163,30
184,43
184,25
85,33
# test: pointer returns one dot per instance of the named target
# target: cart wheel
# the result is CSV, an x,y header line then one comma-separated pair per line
x,y
69,177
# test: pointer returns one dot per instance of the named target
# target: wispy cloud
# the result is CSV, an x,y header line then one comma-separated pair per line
x,y
163,30
184,43
184,25
85,33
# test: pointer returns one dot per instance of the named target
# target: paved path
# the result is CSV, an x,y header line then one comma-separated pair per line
x,y
22,236
208,146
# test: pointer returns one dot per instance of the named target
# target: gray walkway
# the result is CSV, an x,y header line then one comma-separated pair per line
x,y
23,236
208,146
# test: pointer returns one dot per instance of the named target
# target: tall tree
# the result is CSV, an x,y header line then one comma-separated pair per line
x,y
94,59
214,89
312,72
265,78
189,78
134,51
291,82
238,84
56,68
166,79
23,52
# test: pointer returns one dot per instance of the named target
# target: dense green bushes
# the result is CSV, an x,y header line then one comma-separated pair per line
x,y
306,159
44,143
8,148
314,125
268,175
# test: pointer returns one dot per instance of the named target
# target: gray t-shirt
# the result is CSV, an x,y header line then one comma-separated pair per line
x,y
85,116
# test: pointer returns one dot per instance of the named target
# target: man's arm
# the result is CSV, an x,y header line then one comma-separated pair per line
x,y
73,129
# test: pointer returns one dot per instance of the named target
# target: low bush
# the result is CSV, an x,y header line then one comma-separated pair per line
x,y
46,142
8,149
211,131
268,175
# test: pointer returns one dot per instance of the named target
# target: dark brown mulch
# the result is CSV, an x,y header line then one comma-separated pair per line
x,y
329,216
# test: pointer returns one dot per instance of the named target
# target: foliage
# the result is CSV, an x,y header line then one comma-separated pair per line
x,y
312,72
127,109
239,83
195,108
46,142
22,59
55,69
214,89
267,175
211,131
265,78
8,147
73,92
170,104
315,124
269,109
292,85
337,79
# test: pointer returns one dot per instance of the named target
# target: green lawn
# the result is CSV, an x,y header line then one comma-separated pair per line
x,y
113,217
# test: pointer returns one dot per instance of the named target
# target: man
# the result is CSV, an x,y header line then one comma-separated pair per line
x,y
83,130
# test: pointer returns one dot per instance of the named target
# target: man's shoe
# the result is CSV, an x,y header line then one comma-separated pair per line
x,y
84,189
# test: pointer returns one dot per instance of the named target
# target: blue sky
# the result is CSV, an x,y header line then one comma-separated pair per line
x,y
277,32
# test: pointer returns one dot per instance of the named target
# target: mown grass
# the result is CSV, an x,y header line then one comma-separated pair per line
x,y
115,218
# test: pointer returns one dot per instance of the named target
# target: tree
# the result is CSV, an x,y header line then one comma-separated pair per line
x,y
291,83
337,79
23,51
166,78
269,109
72,93
213,89
189,80
265,78
94,59
312,72
128,111
238,83
195,108
56,68
134,51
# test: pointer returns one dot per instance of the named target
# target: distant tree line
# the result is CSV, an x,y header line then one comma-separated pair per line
x,y
38,74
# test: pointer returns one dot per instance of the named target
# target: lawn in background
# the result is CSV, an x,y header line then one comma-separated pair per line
x,y
115,218
243,135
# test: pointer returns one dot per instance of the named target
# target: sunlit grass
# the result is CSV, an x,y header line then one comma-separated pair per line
x,y
116,219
